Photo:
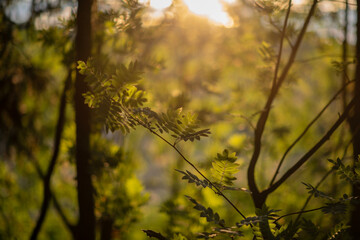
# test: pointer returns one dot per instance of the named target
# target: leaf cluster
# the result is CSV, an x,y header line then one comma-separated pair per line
x,y
224,167
347,172
113,95
334,206
182,127
119,104
207,213
192,178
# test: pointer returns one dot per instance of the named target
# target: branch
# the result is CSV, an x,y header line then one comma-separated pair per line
x,y
283,35
306,129
281,31
61,213
307,155
264,115
324,178
47,176
185,159
71,227
300,212
312,194
197,170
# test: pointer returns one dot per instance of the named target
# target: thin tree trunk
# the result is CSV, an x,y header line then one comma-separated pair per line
x,y
354,125
86,224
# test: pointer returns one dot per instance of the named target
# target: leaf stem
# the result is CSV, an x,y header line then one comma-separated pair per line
x,y
299,212
184,158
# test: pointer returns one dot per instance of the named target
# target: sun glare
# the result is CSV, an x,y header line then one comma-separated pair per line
x,y
160,4
298,2
212,9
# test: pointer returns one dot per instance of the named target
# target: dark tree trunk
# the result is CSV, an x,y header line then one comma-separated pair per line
x,y
86,224
355,125
106,228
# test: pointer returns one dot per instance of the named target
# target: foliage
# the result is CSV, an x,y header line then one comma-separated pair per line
x,y
119,104
192,178
347,172
224,168
183,62
207,213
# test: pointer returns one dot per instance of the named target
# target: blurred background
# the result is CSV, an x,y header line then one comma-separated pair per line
x,y
214,58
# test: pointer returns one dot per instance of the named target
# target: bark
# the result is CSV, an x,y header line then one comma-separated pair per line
x,y
86,224
106,227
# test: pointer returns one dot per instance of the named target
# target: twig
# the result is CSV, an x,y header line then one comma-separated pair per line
x,y
218,191
306,129
307,155
300,212
312,194
323,179
264,115
283,34
63,217
280,31
248,121
197,170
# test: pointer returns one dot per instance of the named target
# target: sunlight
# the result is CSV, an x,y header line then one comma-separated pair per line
x,y
160,4
298,2
212,9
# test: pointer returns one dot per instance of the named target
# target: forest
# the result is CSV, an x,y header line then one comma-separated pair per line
x,y
179,119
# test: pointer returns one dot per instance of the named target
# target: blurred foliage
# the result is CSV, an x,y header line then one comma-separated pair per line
x,y
222,75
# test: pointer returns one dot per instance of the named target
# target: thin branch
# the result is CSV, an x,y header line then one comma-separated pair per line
x,y
307,155
197,170
283,35
300,212
218,191
264,115
70,226
312,194
248,121
306,129
47,177
280,31
62,215
322,180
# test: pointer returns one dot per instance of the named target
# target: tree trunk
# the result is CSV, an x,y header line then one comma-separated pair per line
x,y
86,224
355,125
106,227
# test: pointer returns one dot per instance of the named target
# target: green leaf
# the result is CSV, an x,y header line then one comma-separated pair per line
x,y
224,167
192,178
207,213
